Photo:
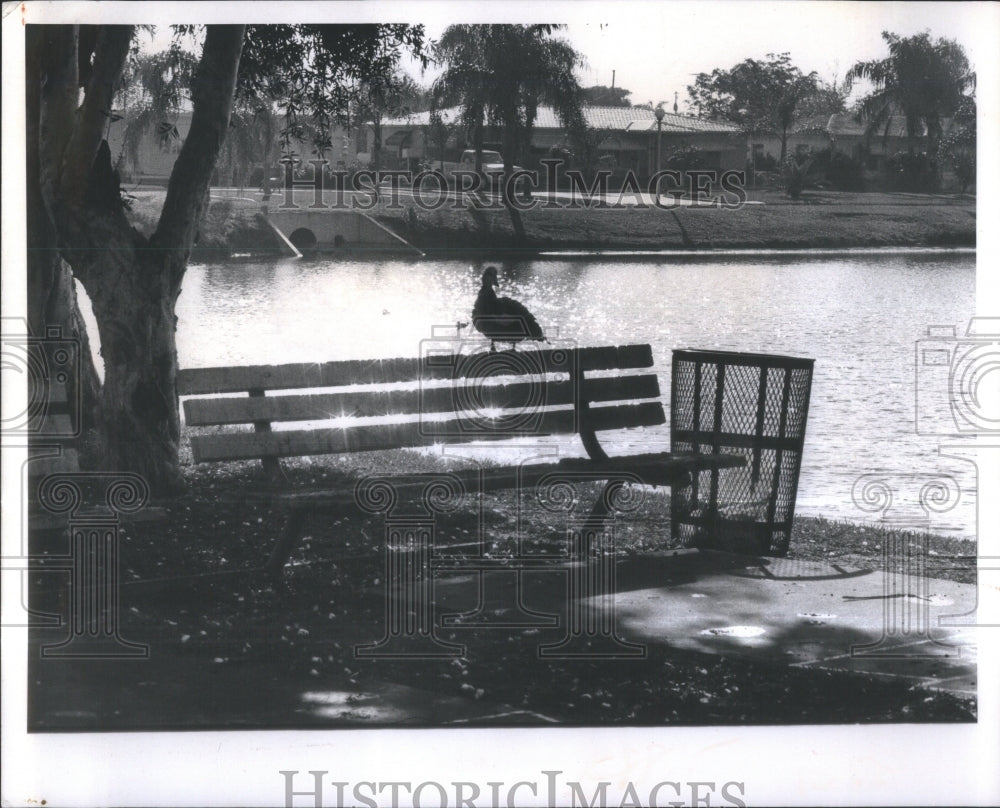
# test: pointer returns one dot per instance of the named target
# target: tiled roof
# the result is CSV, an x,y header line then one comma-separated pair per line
x,y
846,124
632,119
449,116
814,123
598,117
681,123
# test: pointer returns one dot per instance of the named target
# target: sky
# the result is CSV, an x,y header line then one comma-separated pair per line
x,y
655,48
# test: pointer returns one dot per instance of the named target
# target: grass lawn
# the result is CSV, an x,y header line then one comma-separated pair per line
x,y
819,219
227,226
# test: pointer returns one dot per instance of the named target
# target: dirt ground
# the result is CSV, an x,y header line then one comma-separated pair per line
x,y
191,592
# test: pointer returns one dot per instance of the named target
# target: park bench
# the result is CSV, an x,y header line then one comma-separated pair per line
x,y
444,396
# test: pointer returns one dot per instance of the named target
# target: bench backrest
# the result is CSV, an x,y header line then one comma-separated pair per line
x,y
441,397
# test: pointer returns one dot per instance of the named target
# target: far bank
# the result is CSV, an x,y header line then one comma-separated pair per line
x,y
821,219
234,224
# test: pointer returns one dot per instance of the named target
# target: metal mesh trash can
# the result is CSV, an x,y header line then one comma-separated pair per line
x,y
754,405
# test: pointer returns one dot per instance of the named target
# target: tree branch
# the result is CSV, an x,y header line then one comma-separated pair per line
x,y
110,53
212,94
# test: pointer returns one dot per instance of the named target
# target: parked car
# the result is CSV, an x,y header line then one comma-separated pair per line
x,y
491,166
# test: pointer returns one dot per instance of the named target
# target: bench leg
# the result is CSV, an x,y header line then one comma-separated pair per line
x,y
591,628
286,543
274,473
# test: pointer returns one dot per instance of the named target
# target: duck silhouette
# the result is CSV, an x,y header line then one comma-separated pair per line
x,y
503,319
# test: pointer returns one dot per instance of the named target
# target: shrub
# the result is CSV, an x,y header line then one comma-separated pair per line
x,y
958,151
685,158
915,173
796,175
841,171
765,163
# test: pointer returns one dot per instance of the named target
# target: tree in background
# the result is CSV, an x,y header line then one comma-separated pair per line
x,y
396,97
922,79
503,73
756,95
825,99
601,96
437,134
76,213
250,149
151,95
958,147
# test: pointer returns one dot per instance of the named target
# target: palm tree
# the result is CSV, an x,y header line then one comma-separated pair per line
x,y
397,96
466,80
925,81
502,74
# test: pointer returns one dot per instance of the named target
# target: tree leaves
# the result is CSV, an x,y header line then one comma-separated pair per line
x,y
757,95
924,80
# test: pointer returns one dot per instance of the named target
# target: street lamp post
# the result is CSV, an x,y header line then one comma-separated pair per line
x,y
659,113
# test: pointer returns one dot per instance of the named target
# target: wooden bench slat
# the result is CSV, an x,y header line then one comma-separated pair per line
x,y
520,395
652,468
202,381
294,443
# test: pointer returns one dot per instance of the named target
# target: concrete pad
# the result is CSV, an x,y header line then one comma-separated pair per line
x,y
807,614
799,613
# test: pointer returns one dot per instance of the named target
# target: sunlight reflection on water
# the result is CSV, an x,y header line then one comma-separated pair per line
x,y
858,316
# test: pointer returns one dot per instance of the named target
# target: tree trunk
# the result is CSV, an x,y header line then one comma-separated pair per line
x,y
933,136
140,421
912,133
376,145
477,143
509,145
133,282
784,144
52,300
268,156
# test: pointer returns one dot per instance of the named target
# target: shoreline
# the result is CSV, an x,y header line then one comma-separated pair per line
x,y
822,223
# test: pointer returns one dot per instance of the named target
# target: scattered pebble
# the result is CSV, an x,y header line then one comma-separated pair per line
x,y
734,631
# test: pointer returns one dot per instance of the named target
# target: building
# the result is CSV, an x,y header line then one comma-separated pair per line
x,y
846,133
627,139
152,159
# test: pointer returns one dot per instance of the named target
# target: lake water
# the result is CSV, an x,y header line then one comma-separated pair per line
x,y
859,316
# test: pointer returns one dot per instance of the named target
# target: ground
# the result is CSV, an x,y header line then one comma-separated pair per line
x,y
820,219
191,591
829,219
191,594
